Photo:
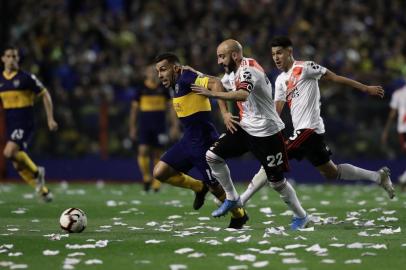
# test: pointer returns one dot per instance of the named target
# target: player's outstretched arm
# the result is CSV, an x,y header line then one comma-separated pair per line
x,y
230,120
239,95
49,110
370,89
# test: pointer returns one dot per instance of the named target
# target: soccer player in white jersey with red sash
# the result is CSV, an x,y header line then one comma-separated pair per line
x,y
258,131
298,86
398,107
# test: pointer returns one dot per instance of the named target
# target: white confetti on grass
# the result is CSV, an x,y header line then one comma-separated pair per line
x,y
226,254
13,229
28,196
212,242
271,250
184,250
135,228
203,218
75,254
48,252
275,230
390,231
266,210
287,254
6,263
310,229
353,261
337,245
260,264
264,242
177,266
154,241
246,257
291,261
294,246
328,261
196,255
388,219
20,211
15,254
174,217
152,223
93,261
18,266
368,254
238,267
98,244
56,236
238,239
317,249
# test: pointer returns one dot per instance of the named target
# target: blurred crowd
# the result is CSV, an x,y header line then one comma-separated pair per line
x,y
93,53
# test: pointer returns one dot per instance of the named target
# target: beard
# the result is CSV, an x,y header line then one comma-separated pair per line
x,y
232,66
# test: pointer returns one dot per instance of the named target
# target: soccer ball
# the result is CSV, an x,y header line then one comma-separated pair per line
x,y
73,220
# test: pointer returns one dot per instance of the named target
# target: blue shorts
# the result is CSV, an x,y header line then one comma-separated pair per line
x,y
21,135
152,129
152,136
184,155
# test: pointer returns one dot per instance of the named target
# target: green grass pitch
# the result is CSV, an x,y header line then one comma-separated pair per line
x,y
128,229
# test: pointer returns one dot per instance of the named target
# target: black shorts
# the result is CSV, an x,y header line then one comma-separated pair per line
x,y
306,143
270,151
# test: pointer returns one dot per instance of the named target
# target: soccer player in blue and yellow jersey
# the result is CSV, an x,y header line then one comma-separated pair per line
x,y
149,108
18,90
199,134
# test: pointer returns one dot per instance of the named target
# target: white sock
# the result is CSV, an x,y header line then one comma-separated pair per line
x,y
351,172
288,195
260,179
221,172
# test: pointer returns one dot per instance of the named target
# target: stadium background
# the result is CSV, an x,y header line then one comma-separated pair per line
x,y
91,55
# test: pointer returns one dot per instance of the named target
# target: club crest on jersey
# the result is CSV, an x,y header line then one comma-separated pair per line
x,y
16,83
176,88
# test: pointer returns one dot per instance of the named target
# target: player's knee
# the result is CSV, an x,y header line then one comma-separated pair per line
x,y
213,159
159,172
8,153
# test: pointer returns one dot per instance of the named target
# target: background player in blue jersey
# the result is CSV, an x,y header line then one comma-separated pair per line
x,y
149,109
18,90
199,134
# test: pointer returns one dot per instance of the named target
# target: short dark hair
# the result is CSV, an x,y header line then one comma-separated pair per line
x,y
170,57
8,47
281,41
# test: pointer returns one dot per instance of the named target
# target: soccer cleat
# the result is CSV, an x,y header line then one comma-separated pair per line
x,y
47,196
225,207
299,223
40,180
238,223
147,186
200,197
386,183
